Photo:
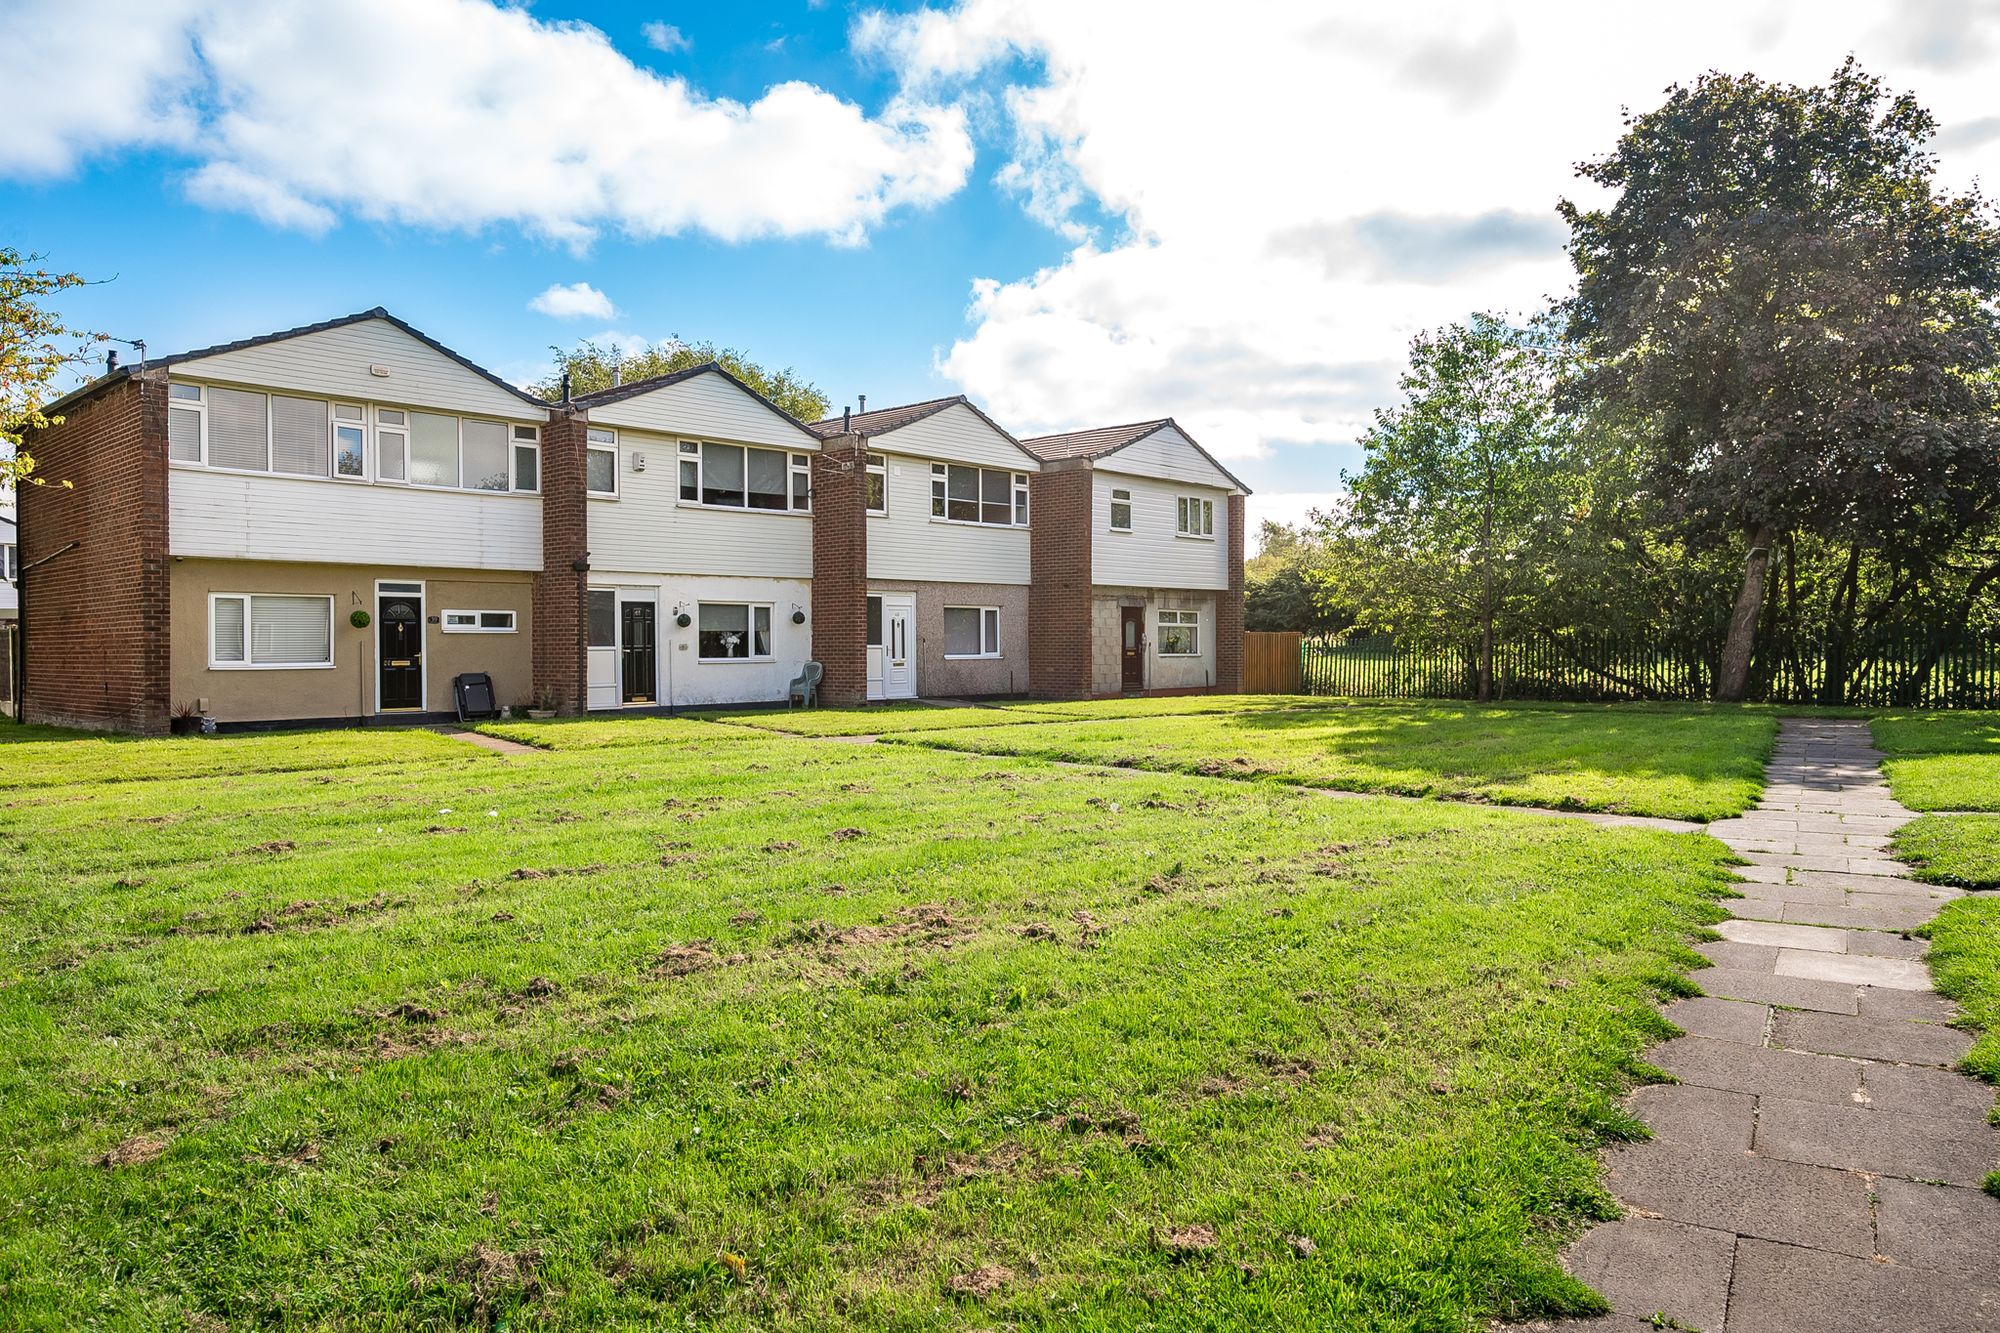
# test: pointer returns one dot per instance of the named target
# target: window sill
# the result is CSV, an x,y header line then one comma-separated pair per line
x,y
1119,532
1192,537
743,509
734,661
270,666
975,523
974,657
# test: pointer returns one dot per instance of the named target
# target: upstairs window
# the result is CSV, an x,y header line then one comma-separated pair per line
x,y
527,458
350,442
600,462
1121,511
10,563
392,444
1194,516
962,494
734,476
186,423
878,484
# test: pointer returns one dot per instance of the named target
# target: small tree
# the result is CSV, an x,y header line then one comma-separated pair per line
x,y
1285,583
1461,490
591,367
1803,321
36,347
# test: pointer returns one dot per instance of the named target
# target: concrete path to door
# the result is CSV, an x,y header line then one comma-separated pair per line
x,y
1817,1168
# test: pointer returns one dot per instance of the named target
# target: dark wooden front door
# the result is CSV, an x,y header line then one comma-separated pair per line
x,y
637,651
1132,647
400,620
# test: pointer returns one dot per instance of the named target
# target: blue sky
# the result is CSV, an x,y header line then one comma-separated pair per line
x,y
1077,214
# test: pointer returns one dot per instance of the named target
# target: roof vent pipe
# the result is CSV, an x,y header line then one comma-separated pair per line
x,y
617,373
863,409
565,388
846,421
111,361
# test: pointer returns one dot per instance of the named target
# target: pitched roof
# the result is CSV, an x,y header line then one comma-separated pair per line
x,y
377,312
619,392
885,419
1101,440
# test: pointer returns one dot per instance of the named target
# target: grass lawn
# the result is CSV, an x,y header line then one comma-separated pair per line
x,y
746,1031
1953,849
889,719
1941,761
1687,763
32,756
1965,962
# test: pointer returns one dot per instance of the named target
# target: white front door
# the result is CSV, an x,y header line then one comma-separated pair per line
x,y
899,651
603,630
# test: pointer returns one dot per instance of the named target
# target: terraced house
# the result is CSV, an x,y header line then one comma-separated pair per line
x,y
330,523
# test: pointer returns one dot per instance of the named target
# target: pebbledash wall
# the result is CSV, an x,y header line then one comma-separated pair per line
x,y
126,560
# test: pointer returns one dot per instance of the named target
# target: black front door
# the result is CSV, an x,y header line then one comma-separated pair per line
x,y
400,637
1132,647
637,652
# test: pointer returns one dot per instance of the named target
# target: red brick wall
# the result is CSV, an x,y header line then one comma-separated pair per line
x,y
1229,611
562,588
96,616
840,569
1059,574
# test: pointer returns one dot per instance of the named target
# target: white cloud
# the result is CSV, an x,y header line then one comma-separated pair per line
x,y
455,114
1296,189
1290,507
665,37
573,300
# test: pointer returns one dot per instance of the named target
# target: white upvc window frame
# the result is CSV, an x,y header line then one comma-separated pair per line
x,y
600,440
10,562
691,458
1121,496
474,621
335,423
1178,618
399,431
877,465
249,644
1194,518
750,628
989,625
941,498
517,443
195,400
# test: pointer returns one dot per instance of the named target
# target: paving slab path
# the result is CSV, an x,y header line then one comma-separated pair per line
x,y
1817,1167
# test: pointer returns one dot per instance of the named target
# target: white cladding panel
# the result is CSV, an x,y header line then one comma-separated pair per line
x,y
240,517
955,435
1167,454
706,407
333,363
647,530
1152,554
908,543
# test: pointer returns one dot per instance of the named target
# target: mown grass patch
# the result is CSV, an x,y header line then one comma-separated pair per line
x,y
755,1031
76,759
1941,760
1965,964
1689,764
1953,849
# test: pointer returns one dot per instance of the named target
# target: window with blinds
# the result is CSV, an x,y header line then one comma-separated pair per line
x,y
270,630
298,436
239,430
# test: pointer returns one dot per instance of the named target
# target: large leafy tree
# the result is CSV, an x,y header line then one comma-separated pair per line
x,y
1802,319
591,367
1461,498
36,348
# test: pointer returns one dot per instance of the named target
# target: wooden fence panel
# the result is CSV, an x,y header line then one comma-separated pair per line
x,y
1271,662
